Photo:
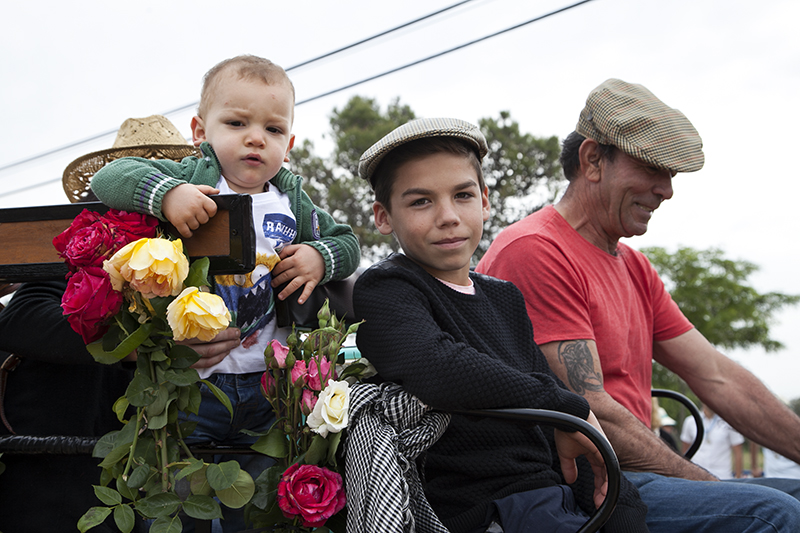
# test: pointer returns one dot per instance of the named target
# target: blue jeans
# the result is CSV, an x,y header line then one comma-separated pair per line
x,y
250,411
678,505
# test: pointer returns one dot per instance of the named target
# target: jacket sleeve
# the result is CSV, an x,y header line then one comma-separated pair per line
x,y
337,244
137,184
33,326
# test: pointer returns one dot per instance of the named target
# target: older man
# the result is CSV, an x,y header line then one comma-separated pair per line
x,y
601,314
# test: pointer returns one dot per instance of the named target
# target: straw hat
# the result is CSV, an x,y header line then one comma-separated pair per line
x,y
153,137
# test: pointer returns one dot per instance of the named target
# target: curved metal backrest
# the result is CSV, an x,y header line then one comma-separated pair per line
x,y
555,418
689,404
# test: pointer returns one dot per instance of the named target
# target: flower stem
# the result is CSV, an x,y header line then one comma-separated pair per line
x,y
139,418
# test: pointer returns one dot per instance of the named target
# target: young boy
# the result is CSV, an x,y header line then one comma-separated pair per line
x,y
460,340
244,130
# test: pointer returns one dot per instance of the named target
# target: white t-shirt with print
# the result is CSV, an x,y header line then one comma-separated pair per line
x,y
250,297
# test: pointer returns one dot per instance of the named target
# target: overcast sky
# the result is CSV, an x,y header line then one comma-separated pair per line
x,y
71,71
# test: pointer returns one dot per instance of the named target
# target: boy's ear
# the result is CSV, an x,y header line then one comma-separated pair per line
x,y
288,149
383,220
198,131
486,208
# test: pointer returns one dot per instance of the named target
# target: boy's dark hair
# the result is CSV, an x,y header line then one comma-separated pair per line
x,y
386,173
570,158
246,67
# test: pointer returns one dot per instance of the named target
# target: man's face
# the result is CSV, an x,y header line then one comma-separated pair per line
x,y
630,191
249,125
437,214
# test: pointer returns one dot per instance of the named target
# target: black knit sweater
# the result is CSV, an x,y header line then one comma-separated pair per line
x,y
457,351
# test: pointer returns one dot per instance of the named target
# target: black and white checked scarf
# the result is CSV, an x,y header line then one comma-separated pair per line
x,y
388,429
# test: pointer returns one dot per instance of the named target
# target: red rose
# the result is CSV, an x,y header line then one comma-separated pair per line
x,y
134,226
89,301
313,493
84,242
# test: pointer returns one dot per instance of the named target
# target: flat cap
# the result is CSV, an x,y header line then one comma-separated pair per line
x,y
631,118
420,129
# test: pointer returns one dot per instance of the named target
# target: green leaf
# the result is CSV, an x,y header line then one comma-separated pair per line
x,y
116,455
158,355
221,396
120,407
333,444
198,273
108,496
202,507
127,492
223,475
160,403
198,482
267,487
182,356
317,451
93,517
124,518
138,477
275,443
194,466
158,505
104,445
182,376
141,390
125,347
239,493
167,524
160,420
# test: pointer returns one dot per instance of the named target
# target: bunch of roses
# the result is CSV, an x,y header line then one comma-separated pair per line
x,y
90,300
310,397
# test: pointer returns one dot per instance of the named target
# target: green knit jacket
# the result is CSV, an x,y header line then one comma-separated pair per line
x,y
137,184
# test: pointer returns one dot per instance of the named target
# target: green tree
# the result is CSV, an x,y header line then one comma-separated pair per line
x,y
522,171
715,295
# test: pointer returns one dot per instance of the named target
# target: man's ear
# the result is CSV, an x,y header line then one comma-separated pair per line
x,y
590,158
198,131
383,219
288,149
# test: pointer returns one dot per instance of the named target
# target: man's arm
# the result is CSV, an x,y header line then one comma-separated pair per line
x,y
638,449
732,392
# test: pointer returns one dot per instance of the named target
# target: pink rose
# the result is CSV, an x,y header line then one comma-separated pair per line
x,y
279,351
317,375
86,242
267,385
308,401
313,493
299,373
89,301
131,226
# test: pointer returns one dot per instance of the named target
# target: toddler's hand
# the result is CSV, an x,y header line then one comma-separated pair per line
x,y
300,265
188,206
215,350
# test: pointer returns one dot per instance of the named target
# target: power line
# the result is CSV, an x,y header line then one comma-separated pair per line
x,y
187,106
328,93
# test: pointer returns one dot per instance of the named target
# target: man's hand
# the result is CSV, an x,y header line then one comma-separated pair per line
x,y
300,265
215,350
188,206
572,445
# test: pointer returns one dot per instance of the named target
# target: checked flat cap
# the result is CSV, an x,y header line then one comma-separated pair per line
x,y
420,129
631,118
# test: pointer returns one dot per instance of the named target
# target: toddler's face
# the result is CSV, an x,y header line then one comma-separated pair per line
x,y
249,124
437,214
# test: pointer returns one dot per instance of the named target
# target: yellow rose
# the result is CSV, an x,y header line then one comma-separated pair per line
x,y
154,267
195,314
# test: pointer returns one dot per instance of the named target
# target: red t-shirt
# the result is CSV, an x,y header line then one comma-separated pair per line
x,y
574,290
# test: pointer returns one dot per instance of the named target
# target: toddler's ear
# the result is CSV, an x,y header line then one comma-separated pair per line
x,y
288,149
198,131
383,220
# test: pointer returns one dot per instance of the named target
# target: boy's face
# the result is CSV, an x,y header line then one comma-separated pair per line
x,y
249,125
437,214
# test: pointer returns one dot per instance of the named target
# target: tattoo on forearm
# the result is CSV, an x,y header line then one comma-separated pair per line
x,y
579,364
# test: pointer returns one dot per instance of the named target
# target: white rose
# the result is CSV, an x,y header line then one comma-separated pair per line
x,y
331,412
